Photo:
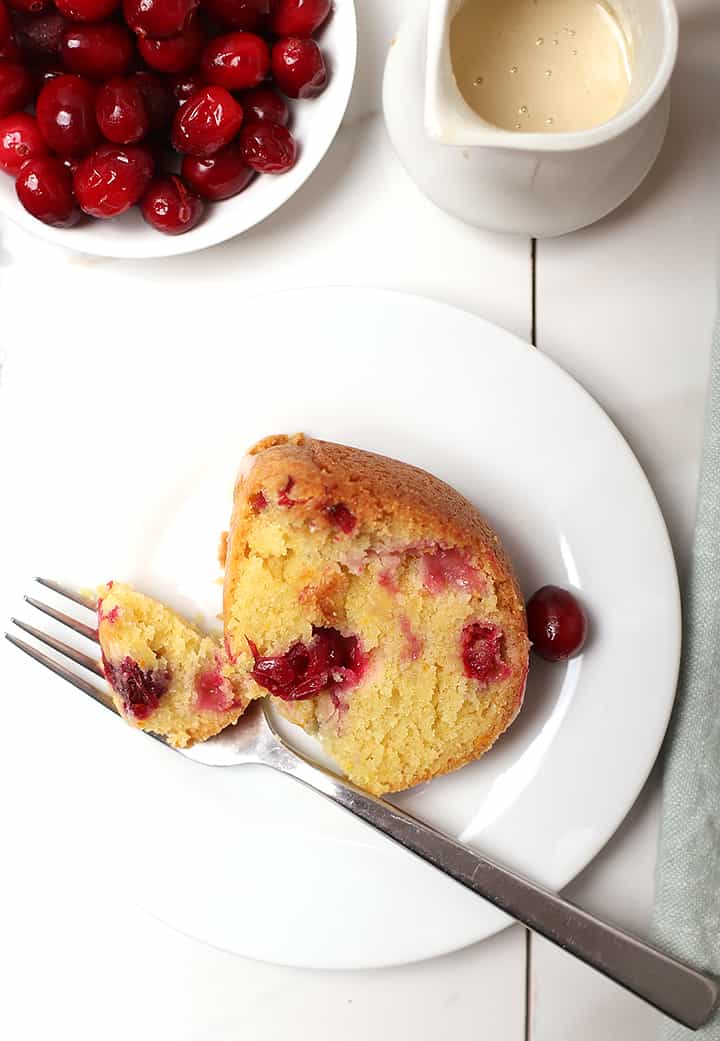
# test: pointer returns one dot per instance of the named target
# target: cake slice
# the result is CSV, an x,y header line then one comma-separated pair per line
x,y
376,608
166,676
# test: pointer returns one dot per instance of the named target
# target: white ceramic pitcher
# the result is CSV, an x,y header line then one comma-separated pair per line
x,y
528,183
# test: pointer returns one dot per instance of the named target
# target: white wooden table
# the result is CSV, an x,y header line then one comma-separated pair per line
x,y
627,308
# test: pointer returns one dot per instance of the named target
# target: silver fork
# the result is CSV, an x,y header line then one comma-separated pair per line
x,y
681,992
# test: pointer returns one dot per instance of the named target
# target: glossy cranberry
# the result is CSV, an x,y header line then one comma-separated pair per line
x,y
40,37
176,53
481,650
557,623
221,176
16,87
99,50
9,51
158,98
158,18
298,67
120,111
87,10
20,140
268,147
170,207
65,111
240,14
112,179
139,690
236,61
184,85
265,103
298,17
329,661
5,23
30,6
44,187
206,122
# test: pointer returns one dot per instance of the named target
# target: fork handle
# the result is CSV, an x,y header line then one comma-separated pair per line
x,y
683,993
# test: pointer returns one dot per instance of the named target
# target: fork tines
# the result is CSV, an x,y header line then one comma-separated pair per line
x,y
86,661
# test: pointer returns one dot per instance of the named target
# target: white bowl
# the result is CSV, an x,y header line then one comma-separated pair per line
x,y
314,123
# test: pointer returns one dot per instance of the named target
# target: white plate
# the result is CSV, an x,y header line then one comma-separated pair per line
x,y
250,861
314,123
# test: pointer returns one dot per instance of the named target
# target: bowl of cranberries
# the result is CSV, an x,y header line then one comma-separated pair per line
x,y
147,128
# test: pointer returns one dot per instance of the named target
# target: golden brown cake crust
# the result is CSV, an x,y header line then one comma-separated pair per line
x,y
378,490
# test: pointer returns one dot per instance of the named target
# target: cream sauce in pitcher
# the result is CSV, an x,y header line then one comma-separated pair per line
x,y
541,65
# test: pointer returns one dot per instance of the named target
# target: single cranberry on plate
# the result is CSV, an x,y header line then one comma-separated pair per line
x,y
16,87
206,122
174,53
121,112
65,112
236,61
44,187
30,6
298,17
170,207
557,623
158,98
40,37
239,14
298,67
267,147
220,176
184,85
87,10
158,18
112,179
97,50
265,103
20,140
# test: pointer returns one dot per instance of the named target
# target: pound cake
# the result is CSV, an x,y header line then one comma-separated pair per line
x,y
165,675
376,608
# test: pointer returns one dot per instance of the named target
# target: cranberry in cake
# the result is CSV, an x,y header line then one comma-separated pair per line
x,y
165,675
376,608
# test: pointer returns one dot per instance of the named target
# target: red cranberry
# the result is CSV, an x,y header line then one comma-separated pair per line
x,y
221,176
111,180
236,61
240,14
268,147
98,51
20,140
339,514
184,85
29,6
176,53
16,87
557,623
481,650
158,18
5,23
139,690
120,111
41,37
299,17
87,10
298,67
158,99
170,207
65,111
329,661
9,51
44,187
265,103
206,122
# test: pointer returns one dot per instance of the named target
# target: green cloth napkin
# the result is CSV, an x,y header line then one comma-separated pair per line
x,y
687,909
